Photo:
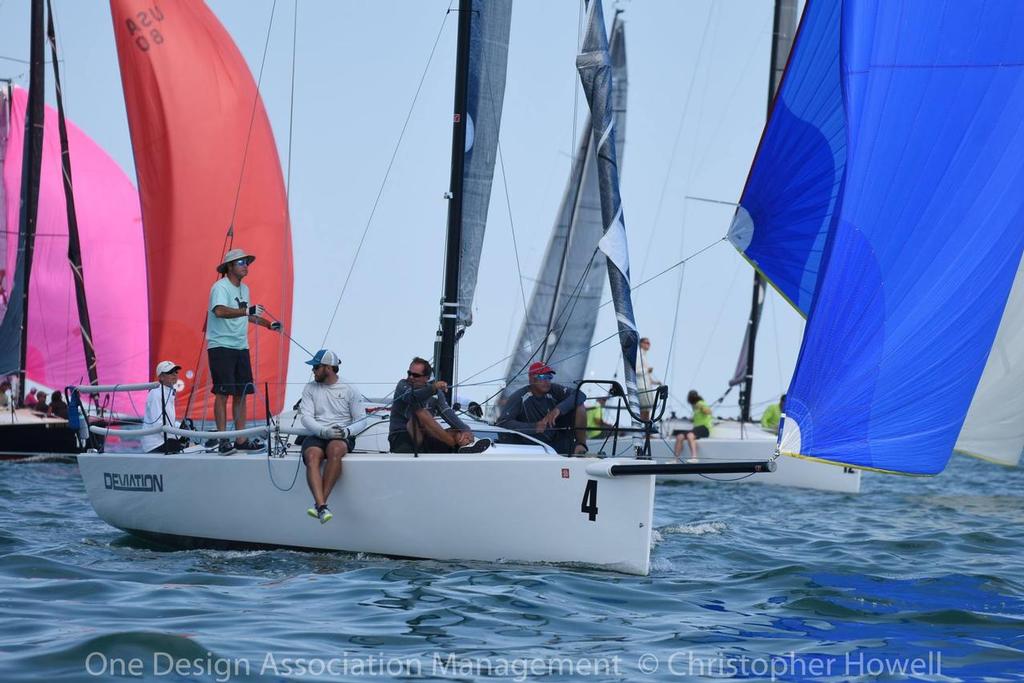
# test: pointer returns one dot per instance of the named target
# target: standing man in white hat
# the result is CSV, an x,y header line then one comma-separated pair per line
x,y
227,343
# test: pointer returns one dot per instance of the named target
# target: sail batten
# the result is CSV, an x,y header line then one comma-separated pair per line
x,y
924,243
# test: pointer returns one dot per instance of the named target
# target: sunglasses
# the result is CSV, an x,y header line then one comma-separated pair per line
x,y
242,262
410,373
545,377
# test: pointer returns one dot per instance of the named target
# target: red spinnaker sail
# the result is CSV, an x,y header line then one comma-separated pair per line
x,y
206,161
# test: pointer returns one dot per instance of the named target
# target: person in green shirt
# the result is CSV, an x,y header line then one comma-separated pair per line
x,y
702,420
596,426
772,415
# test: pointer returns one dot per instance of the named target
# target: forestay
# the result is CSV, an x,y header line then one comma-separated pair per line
x,y
488,58
925,237
562,313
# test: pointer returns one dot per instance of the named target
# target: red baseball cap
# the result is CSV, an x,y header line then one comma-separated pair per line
x,y
540,368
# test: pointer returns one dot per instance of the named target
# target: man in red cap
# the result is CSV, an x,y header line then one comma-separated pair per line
x,y
550,412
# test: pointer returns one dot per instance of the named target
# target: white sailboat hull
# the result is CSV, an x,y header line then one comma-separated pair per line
x,y
508,504
729,444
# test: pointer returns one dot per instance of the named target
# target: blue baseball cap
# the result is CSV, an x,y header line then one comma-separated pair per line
x,y
324,357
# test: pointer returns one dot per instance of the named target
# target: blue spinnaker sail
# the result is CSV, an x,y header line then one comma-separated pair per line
x,y
926,231
488,59
788,204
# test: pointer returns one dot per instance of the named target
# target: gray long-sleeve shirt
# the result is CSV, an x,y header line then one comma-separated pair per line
x,y
408,399
523,410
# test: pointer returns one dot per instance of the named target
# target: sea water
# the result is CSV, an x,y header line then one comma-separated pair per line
x,y
919,578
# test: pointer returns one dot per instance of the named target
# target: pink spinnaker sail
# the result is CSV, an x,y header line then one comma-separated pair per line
x,y
113,259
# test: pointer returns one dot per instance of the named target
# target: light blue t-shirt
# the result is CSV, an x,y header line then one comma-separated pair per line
x,y
227,333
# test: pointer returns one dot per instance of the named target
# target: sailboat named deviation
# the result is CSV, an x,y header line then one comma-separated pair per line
x,y
517,501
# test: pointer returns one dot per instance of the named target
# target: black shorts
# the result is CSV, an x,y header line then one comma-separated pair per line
x,y
230,371
317,442
700,432
401,442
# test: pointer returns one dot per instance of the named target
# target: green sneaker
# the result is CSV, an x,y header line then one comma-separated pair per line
x,y
312,512
324,514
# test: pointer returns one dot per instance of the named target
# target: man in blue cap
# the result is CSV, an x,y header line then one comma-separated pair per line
x,y
332,411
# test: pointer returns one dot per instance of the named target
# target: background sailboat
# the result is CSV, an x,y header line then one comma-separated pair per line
x,y
885,202
112,250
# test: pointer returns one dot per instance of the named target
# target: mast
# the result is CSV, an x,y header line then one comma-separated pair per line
x,y
31,168
74,244
446,333
783,26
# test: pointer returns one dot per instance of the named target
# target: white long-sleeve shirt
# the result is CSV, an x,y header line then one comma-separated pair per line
x,y
326,405
155,416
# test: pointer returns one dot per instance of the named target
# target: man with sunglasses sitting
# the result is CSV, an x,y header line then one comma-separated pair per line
x,y
413,428
550,412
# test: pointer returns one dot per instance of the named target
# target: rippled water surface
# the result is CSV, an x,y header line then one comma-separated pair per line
x,y
748,581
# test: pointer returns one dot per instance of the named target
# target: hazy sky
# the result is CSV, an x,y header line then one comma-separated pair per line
x,y
697,97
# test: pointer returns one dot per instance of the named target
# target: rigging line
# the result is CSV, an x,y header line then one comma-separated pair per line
x,y
775,330
387,174
508,201
675,144
574,298
675,313
676,265
714,328
501,379
672,267
291,114
755,51
252,119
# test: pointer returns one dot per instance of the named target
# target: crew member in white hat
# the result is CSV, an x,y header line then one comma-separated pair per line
x,y
160,409
227,343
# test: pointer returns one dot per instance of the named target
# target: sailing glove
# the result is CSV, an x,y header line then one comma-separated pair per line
x,y
276,326
334,432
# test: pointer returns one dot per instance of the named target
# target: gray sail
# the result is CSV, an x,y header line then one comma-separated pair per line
x,y
559,323
595,69
488,58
